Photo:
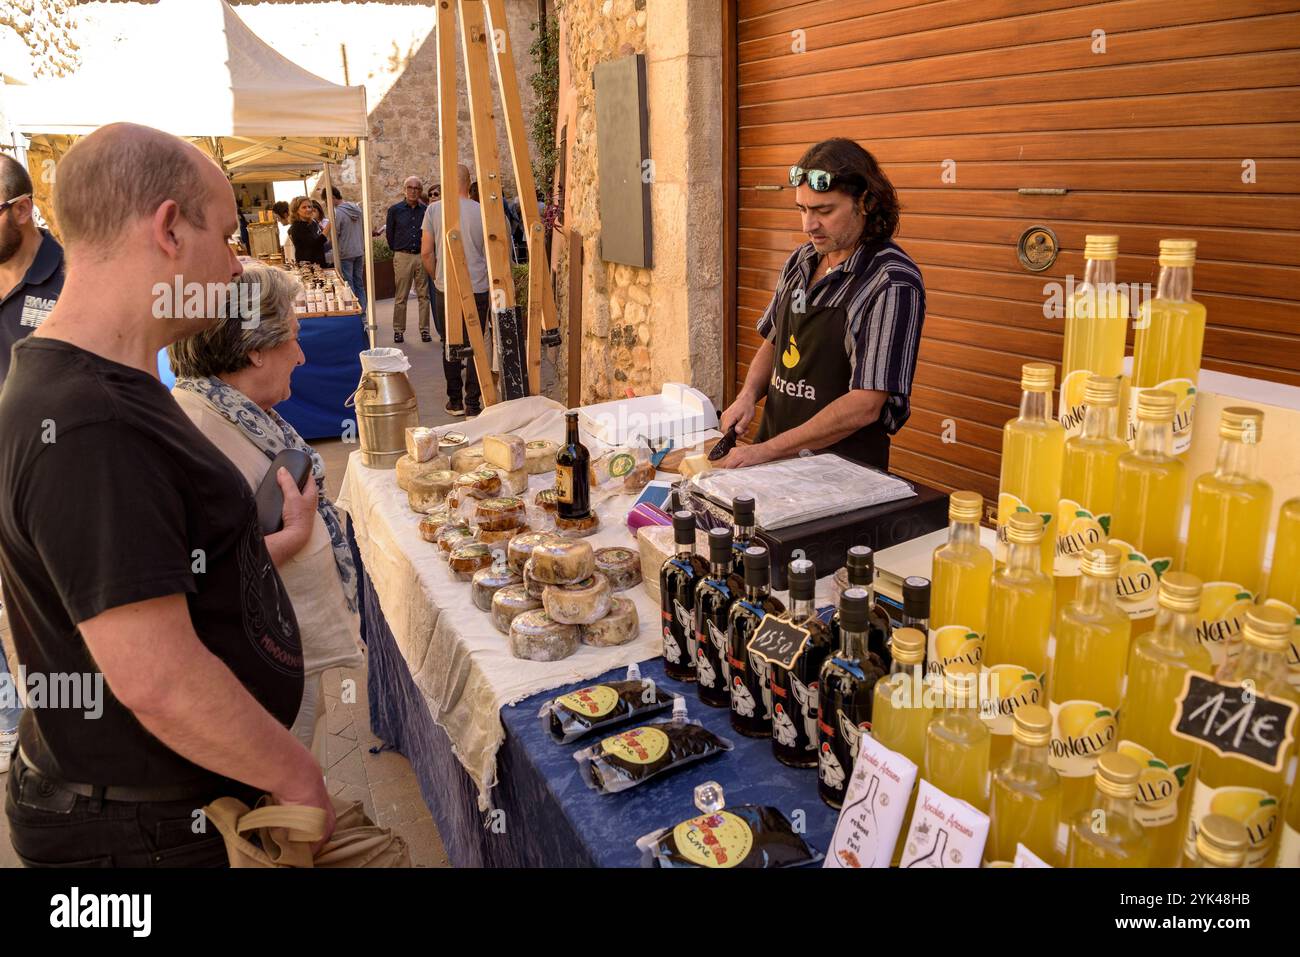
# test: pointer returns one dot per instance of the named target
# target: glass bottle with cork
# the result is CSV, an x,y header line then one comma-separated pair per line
x,y
572,474
677,580
714,595
751,696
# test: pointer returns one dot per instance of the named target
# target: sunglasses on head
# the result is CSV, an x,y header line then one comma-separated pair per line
x,y
13,202
819,181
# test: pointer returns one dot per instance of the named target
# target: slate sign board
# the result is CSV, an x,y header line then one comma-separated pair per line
x,y
1235,720
778,642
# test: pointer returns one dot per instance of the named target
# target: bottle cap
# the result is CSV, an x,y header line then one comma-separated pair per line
x,y
1100,247
679,708
1178,252
1222,841
757,574
1156,405
1268,627
855,610
965,507
1025,528
1037,377
1101,562
634,672
709,797
1180,591
861,566
1241,424
961,685
1117,775
684,528
916,597
742,510
1033,725
802,577
908,646
720,546
1101,390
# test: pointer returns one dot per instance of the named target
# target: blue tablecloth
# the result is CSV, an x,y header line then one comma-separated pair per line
x,y
544,815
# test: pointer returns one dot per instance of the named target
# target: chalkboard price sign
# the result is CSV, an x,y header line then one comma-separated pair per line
x,y
778,642
1234,719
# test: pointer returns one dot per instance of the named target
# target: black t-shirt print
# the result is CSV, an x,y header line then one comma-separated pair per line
x,y
109,495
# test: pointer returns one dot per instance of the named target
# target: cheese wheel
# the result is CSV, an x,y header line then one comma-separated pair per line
x,y
481,483
429,490
487,582
504,452
502,538
421,443
547,499
516,482
539,456
453,529
521,547
581,604
577,527
497,514
531,584
534,635
464,560
408,467
617,628
621,566
467,459
452,442
559,562
433,522
509,601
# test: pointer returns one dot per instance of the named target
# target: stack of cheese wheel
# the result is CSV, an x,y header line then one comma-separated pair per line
x,y
408,468
498,520
619,625
490,580
431,523
563,574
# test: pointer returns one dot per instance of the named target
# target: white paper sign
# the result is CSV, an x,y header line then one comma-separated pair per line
x,y
874,807
1027,858
945,831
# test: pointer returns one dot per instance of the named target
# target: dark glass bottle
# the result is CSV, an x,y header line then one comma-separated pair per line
x,y
916,603
794,690
751,697
573,474
844,696
860,566
714,596
677,581
742,513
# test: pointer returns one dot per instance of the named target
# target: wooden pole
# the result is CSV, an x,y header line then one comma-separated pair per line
x,y
453,335
369,251
575,318
329,214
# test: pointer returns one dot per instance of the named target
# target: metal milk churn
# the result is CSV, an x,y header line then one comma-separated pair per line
x,y
386,408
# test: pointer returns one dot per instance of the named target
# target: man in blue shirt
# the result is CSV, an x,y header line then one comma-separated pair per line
x,y
403,234
352,249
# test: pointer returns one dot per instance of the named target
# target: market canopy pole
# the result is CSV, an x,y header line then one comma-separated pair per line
x,y
329,214
369,250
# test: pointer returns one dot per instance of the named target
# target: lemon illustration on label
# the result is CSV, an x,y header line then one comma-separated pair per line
x,y
1158,785
593,702
1081,730
638,746
714,840
1223,610
1255,809
790,358
953,643
1015,687
1078,529
1139,577
1072,409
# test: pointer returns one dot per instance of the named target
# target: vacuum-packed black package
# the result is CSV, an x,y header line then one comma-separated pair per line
x,y
580,712
629,758
747,835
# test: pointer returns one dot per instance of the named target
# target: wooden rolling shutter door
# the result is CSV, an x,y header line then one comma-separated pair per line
x,y
1148,138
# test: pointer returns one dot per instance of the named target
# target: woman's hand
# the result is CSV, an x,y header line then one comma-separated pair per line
x,y
299,513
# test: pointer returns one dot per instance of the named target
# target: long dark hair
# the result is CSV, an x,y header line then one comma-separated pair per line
x,y
855,172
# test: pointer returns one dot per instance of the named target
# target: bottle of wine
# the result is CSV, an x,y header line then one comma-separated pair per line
x,y
860,568
794,674
742,513
677,581
844,696
714,595
572,474
751,696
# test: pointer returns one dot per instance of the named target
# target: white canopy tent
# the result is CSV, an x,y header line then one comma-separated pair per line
x,y
194,69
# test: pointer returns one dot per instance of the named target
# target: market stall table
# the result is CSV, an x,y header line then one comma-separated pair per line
x,y
325,382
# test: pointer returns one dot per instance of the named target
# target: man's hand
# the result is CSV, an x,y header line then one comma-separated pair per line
x,y
740,414
310,792
743,455
299,512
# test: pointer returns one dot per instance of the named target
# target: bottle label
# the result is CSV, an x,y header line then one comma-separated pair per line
x,y
1223,612
1255,809
875,806
1072,407
1184,411
1077,531
715,840
1288,848
945,831
1008,505
953,643
1081,731
1014,686
1159,788
638,746
1293,653
705,671
595,702
1138,581
564,484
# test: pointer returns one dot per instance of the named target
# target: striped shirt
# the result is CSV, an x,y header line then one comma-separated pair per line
x,y
883,297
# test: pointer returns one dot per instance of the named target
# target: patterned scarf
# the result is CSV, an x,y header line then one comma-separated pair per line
x,y
272,434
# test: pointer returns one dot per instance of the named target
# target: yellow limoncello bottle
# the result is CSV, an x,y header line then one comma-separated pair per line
x,y
1105,832
1284,577
959,588
902,705
1086,679
956,741
1096,323
1032,448
1020,632
1091,465
1288,845
1167,339
1221,842
1157,667
1231,507
1148,512
1025,805
1229,784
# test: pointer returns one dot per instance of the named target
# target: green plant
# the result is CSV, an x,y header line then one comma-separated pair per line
x,y
379,250
545,81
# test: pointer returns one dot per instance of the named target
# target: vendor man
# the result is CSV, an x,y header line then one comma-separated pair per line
x,y
843,328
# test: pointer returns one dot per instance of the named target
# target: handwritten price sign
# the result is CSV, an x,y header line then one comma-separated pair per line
x,y
1234,719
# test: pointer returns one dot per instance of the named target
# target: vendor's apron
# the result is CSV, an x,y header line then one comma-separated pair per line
x,y
811,370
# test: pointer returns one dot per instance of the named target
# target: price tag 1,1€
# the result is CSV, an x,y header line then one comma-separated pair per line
x,y
1234,720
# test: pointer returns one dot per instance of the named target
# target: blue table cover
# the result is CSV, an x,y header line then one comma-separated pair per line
x,y
544,815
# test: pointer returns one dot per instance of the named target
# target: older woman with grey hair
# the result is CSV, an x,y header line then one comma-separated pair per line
x,y
228,378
